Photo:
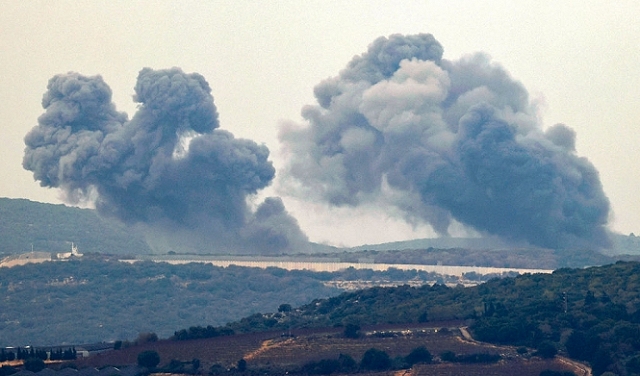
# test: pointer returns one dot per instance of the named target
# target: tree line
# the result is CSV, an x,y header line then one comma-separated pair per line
x,y
20,353
590,314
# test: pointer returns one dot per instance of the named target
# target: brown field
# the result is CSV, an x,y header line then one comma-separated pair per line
x,y
273,351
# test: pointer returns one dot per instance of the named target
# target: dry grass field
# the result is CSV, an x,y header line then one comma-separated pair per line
x,y
275,352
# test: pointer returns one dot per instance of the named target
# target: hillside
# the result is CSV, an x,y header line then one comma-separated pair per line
x,y
27,225
329,351
93,299
590,314
502,258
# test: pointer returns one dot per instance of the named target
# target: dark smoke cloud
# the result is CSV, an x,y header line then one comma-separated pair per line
x,y
169,168
444,140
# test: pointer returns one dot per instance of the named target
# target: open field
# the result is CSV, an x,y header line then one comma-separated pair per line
x,y
276,352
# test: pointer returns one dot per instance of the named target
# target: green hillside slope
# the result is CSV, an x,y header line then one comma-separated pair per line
x,y
590,314
27,225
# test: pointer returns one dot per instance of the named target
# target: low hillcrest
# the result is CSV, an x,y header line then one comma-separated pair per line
x,y
30,226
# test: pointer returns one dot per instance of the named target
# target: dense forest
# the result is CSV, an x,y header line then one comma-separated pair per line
x,y
93,300
588,314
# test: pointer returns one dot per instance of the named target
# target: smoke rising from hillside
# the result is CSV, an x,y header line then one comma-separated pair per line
x,y
444,140
169,168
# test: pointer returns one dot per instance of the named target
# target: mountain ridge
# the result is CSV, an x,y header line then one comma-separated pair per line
x,y
27,225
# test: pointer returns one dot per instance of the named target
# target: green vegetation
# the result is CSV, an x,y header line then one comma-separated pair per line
x,y
502,257
588,314
591,314
27,225
50,228
86,301
450,356
344,364
418,355
375,360
372,360
34,364
148,359
93,300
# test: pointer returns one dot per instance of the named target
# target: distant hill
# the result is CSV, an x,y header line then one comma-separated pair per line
x,y
441,243
622,244
94,299
26,225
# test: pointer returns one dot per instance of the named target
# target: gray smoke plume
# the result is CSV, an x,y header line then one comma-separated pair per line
x,y
169,168
444,140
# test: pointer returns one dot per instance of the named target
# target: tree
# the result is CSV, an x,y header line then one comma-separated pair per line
x,y
284,308
322,367
195,364
242,365
374,359
419,355
547,349
148,359
34,364
633,365
601,361
347,363
7,370
352,331
448,356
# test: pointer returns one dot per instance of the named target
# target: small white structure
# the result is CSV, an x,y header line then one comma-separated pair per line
x,y
74,253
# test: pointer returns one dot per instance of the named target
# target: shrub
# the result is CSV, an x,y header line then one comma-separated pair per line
x,y
34,364
374,359
7,370
347,363
217,369
322,367
448,356
352,331
148,359
547,350
548,372
418,355
242,365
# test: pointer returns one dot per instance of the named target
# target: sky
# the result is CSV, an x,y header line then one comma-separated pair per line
x,y
579,62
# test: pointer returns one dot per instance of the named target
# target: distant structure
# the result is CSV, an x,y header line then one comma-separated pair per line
x,y
67,255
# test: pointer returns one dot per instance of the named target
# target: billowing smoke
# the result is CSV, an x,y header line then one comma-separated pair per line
x,y
442,141
169,169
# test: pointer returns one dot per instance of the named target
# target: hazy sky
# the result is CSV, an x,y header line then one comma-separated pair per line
x,y
579,60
